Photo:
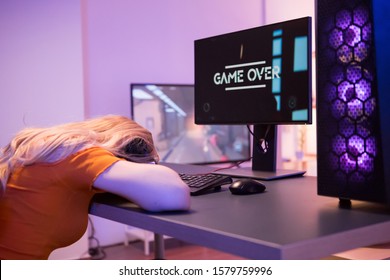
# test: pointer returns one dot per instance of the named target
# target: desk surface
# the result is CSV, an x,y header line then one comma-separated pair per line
x,y
288,221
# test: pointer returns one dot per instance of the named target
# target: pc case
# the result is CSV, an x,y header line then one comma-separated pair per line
x,y
353,96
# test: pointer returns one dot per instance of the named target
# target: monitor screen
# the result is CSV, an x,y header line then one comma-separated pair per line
x,y
167,111
259,75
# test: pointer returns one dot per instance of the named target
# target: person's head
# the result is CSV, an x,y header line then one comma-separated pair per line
x,y
120,135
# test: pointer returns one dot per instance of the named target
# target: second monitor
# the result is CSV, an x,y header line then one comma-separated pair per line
x,y
167,110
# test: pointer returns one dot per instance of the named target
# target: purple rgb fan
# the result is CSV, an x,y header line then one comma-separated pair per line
x,y
349,92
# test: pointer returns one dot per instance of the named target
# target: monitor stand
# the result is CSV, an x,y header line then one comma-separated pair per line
x,y
263,158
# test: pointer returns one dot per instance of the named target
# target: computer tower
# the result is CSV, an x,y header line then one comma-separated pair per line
x,y
353,96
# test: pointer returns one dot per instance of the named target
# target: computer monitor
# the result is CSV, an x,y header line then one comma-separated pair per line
x,y
167,110
259,76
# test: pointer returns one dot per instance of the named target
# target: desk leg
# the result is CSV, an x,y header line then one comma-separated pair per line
x,y
158,246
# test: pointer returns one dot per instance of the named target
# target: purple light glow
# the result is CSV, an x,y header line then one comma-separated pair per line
x,y
337,75
355,109
370,146
334,162
345,128
348,163
349,92
361,52
331,91
343,19
360,16
354,73
366,35
346,91
339,145
363,90
369,106
352,35
338,109
365,163
336,38
363,128
355,145
345,54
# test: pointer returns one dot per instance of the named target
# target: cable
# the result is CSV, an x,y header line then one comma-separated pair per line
x,y
261,143
96,252
235,164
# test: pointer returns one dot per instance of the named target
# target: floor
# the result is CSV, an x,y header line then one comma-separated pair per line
x,y
174,250
179,250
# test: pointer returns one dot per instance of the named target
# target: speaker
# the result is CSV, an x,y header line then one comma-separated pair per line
x,y
353,96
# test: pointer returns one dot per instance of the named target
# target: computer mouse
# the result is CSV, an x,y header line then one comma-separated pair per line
x,y
246,186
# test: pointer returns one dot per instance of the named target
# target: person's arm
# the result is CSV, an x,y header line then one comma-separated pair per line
x,y
152,187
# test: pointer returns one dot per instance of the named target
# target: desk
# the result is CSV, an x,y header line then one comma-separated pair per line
x,y
288,221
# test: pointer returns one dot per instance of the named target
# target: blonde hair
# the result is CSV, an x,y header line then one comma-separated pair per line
x,y
117,134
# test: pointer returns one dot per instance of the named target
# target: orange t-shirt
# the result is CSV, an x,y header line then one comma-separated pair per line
x,y
45,206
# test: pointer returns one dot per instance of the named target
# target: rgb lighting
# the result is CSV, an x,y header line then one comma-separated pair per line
x,y
349,93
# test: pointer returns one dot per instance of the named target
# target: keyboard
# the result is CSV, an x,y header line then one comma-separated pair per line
x,y
203,183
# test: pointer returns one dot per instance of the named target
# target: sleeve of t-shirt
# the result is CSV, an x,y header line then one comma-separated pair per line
x,y
88,164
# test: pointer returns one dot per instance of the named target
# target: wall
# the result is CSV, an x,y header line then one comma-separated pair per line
x,y
41,64
150,41
281,10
